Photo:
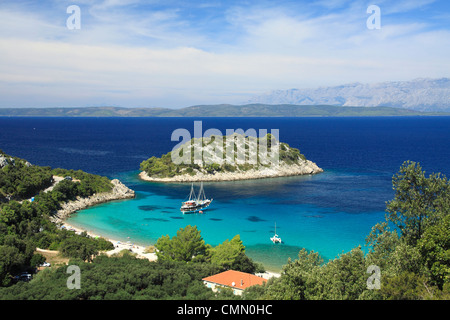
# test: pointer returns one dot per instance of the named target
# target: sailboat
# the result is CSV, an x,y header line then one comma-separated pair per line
x,y
195,203
275,238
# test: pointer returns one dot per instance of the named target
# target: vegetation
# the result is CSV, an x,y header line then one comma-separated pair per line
x,y
120,278
413,257
189,246
213,158
87,184
183,261
20,180
411,249
26,225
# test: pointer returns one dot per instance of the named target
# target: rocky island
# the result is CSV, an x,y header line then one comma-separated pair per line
x,y
227,158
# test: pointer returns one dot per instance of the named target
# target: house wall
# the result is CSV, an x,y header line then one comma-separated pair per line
x,y
216,287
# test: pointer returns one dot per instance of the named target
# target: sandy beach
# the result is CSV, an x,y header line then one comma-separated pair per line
x,y
139,250
119,245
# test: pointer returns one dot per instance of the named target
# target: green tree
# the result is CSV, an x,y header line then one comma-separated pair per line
x,y
382,243
226,253
79,247
406,286
418,202
434,247
11,261
343,278
231,255
37,260
295,278
187,245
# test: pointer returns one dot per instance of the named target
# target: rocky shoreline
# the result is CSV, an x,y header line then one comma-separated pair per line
x,y
119,192
305,167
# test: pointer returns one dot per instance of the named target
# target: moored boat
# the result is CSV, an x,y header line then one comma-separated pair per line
x,y
275,238
195,203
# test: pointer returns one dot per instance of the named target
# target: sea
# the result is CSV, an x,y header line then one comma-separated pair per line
x,y
330,213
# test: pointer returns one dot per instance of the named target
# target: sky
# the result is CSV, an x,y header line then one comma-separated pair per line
x,y
174,53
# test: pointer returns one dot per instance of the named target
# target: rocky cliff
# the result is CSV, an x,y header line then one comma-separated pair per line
x,y
284,170
119,191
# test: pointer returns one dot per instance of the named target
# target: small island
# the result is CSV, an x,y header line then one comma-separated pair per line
x,y
227,158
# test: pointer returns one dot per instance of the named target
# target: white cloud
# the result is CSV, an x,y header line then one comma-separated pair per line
x,y
402,6
161,58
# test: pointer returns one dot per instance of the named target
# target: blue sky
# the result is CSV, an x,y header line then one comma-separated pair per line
x,y
174,53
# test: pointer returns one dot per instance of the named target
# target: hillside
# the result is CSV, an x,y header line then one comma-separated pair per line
x,y
220,110
31,199
212,162
20,180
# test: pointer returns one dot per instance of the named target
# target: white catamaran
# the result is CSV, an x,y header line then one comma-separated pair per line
x,y
194,203
275,238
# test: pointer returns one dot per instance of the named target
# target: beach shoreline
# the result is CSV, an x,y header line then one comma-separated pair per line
x,y
138,249
119,192
119,245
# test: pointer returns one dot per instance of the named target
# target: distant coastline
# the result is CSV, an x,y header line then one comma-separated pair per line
x,y
220,110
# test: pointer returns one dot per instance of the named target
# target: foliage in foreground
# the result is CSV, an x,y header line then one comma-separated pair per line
x,y
177,274
411,248
25,225
117,278
413,257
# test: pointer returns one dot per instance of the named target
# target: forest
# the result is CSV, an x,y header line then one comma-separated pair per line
x,y
25,213
411,248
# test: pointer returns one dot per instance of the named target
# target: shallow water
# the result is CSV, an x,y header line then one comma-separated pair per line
x,y
331,212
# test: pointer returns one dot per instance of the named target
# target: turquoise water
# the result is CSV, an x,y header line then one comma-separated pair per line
x,y
331,212
248,208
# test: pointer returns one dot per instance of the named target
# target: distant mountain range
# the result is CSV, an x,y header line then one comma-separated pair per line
x,y
416,97
222,110
419,94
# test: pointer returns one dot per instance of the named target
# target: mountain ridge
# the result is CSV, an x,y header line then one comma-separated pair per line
x,y
219,110
421,94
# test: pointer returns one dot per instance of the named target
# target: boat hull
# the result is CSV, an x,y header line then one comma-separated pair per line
x,y
275,239
196,208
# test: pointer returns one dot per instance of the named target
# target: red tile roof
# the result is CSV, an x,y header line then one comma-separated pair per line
x,y
235,279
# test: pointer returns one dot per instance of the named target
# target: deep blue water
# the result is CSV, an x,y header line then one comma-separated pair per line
x,y
330,212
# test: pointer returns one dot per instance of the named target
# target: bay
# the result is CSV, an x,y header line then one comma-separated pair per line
x,y
331,212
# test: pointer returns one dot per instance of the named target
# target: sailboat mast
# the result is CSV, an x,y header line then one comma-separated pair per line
x,y
201,193
192,194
